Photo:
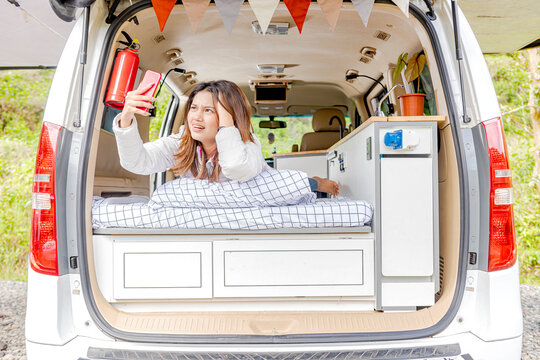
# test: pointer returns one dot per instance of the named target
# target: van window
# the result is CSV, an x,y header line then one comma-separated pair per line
x,y
163,102
276,141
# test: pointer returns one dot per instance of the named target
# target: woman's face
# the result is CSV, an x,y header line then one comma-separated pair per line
x,y
202,118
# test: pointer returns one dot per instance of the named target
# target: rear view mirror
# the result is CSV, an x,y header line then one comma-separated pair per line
x,y
272,124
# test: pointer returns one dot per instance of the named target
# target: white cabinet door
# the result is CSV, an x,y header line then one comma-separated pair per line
x,y
284,268
407,216
162,270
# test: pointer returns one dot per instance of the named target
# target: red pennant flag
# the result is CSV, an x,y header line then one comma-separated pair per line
x,y
298,10
163,9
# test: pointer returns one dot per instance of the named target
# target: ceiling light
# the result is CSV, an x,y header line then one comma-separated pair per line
x,y
271,69
273,28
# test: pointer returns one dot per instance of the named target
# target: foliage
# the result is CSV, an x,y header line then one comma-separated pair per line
x,y
401,63
161,104
22,101
283,138
512,82
413,67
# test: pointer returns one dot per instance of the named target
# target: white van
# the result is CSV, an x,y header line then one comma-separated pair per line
x,y
431,272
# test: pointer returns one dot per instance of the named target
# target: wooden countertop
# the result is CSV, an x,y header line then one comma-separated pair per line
x,y
301,153
441,122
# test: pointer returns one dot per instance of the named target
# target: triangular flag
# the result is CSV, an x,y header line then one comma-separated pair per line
x,y
298,10
163,9
403,5
195,10
228,9
331,9
264,10
364,9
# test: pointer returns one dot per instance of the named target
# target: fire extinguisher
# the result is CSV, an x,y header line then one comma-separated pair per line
x,y
122,79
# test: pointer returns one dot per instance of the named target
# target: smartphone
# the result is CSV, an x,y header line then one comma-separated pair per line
x,y
150,77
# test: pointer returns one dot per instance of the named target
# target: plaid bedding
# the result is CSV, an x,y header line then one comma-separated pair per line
x,y
274,199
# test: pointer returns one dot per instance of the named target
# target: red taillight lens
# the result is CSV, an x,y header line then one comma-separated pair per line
x,y
502,239
43,254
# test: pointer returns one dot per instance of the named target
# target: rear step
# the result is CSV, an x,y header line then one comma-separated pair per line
x,y
432,352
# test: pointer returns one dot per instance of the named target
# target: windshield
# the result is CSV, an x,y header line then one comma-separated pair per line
x,y
275,141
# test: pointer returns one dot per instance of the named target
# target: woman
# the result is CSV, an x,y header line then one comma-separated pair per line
x,y
215,142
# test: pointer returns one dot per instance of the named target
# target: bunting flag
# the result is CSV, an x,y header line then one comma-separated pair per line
x,y
163,9
195,10
298,10
228,9
331,9
403,5
264,10
363,7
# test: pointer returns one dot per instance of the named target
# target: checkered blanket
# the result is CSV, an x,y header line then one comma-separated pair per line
x,y
273,199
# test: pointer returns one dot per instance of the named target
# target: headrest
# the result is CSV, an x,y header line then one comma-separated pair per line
x,y
321,120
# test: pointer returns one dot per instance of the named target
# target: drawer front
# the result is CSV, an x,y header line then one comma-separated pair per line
x,y
162,270
277,268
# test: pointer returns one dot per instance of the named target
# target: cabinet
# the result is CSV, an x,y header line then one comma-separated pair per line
x,y
393,165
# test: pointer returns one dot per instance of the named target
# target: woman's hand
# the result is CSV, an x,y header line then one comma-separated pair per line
x,y
133,100
225,119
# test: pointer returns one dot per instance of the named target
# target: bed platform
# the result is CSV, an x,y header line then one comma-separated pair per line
x,y
250,265
168,231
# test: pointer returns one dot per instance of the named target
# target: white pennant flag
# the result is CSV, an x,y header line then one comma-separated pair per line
x,y
264,10
363,7
403,5
228,9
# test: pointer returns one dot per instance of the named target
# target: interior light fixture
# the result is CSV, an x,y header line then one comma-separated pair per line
x,y
271,69
273,28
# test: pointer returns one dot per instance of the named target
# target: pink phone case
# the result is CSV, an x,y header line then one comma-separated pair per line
x,y
150,77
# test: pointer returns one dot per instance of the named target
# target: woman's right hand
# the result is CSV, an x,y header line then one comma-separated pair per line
x,y
133,100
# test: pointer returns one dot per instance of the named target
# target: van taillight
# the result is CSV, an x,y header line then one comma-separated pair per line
x,y
43,254
502,239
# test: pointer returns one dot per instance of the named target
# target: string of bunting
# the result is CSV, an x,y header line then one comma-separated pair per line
x,y
264,10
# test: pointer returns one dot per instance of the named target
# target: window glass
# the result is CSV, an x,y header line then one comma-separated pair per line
x,y
109,114
281,140
426,87
162,103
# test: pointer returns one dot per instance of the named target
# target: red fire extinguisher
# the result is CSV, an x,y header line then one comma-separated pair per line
x,y
123,75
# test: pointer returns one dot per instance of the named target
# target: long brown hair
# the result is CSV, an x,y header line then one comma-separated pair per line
x,y
231,97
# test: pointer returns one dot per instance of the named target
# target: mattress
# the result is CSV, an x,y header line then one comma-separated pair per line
x,y
338,212
274,199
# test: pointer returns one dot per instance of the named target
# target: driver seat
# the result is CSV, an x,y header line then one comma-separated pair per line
x,y
324,135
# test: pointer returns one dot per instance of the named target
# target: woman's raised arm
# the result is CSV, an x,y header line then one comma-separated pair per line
x,y
148,158
239,160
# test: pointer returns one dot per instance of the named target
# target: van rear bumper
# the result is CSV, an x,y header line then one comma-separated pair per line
x,y
464,346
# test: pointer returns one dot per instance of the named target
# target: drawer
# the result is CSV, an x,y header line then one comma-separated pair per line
x,y
285,268
162,270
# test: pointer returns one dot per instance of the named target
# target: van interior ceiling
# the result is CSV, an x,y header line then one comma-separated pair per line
x,y
315,64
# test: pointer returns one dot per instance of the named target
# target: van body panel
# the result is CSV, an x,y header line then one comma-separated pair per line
x,y
481,97
62,90
49,309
